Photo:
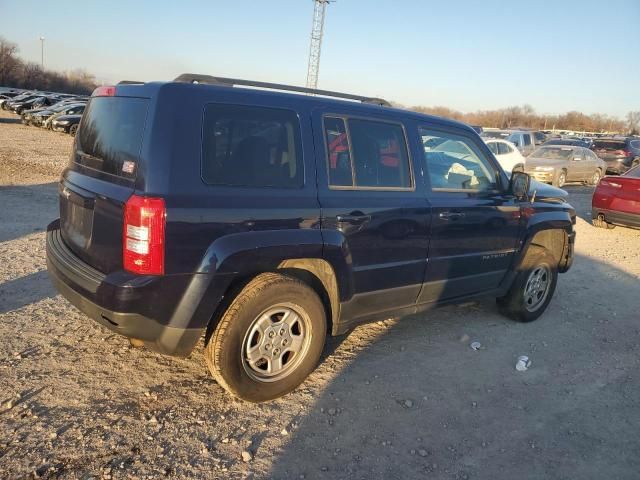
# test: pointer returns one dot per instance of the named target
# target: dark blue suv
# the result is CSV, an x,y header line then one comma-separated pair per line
x,y
264,220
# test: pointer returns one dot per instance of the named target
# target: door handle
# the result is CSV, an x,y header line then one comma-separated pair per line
x,y
355,218
451,215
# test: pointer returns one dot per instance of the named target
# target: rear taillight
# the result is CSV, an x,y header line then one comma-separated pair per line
x,y
143,235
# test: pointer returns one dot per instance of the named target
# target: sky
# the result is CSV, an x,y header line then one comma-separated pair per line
x,y
556,56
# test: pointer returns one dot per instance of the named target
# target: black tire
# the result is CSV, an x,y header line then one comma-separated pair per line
x,y
225,352
73,129
513,304
560,179
599,222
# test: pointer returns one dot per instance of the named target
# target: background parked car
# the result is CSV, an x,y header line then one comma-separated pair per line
x,y
73,109
568,141
38,118
620,154
494,133
558,164
526,141
66,123
616,200
506,153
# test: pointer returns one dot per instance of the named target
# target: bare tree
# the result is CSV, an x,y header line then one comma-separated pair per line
x,y
9,63
633,122
14,72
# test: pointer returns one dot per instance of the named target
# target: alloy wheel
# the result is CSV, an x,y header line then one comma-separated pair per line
x,y
276,342
537,287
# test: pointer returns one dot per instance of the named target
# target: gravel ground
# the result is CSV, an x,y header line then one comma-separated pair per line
x,y
393,400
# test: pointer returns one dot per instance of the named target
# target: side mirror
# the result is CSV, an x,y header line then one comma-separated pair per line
x,y
519,185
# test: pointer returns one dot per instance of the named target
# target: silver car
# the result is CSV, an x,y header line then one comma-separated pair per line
x,y
558,164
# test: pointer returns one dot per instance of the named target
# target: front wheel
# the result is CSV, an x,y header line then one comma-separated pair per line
x,y
269,339
533,287
560,180
73,129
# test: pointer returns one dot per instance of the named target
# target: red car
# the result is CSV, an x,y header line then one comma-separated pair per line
x,y
616,200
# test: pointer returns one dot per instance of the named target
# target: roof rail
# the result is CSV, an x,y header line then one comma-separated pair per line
x,y
210,80
129,82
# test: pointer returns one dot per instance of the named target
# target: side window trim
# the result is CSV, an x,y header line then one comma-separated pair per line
x,y
345,118
461,133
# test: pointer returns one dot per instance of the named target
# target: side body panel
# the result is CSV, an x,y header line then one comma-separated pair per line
x,y
386,244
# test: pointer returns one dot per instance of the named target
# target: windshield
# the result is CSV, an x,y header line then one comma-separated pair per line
x,y
553,153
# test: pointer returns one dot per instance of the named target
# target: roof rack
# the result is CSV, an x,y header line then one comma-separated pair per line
x,y
230,82
129,82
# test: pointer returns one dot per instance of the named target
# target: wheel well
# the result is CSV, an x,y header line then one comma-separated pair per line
x,y
553,240
316,273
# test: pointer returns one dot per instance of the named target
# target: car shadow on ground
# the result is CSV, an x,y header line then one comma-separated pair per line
x,y
418,401
16,220
25,290
583,208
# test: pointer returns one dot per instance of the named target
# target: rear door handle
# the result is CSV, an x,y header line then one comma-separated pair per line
x,y
353,218
451,215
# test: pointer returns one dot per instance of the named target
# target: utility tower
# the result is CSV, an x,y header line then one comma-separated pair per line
x,y
317,27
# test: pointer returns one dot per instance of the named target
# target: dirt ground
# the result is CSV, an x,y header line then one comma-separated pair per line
x,y
393,400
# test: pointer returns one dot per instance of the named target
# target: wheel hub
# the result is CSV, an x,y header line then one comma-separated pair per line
x,y
537,288
276,342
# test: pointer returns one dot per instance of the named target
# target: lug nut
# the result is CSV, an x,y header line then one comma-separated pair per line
x,y
267,346
281,331
271,334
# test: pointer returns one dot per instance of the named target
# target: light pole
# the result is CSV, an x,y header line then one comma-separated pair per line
x,y
42,52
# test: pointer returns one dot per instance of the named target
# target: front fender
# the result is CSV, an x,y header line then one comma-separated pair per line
x,y
543,218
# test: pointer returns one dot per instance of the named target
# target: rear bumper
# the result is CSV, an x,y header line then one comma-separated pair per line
x,y
169,313
619,218
613,166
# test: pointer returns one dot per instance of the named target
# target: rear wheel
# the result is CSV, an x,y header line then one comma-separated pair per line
x,y
533,287
595,178
73,129
269,339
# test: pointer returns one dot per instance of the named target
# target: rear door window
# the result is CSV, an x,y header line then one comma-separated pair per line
x,y
110,137
526,138
366,154
493,146
252,147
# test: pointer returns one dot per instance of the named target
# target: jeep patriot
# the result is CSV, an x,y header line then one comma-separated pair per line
x,y
263,220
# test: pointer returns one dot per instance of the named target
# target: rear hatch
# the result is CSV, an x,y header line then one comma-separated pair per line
x,y
101,178
610,150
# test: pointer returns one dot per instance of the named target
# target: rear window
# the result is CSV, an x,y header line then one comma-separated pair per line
x,y
609,145
111,135
251,147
